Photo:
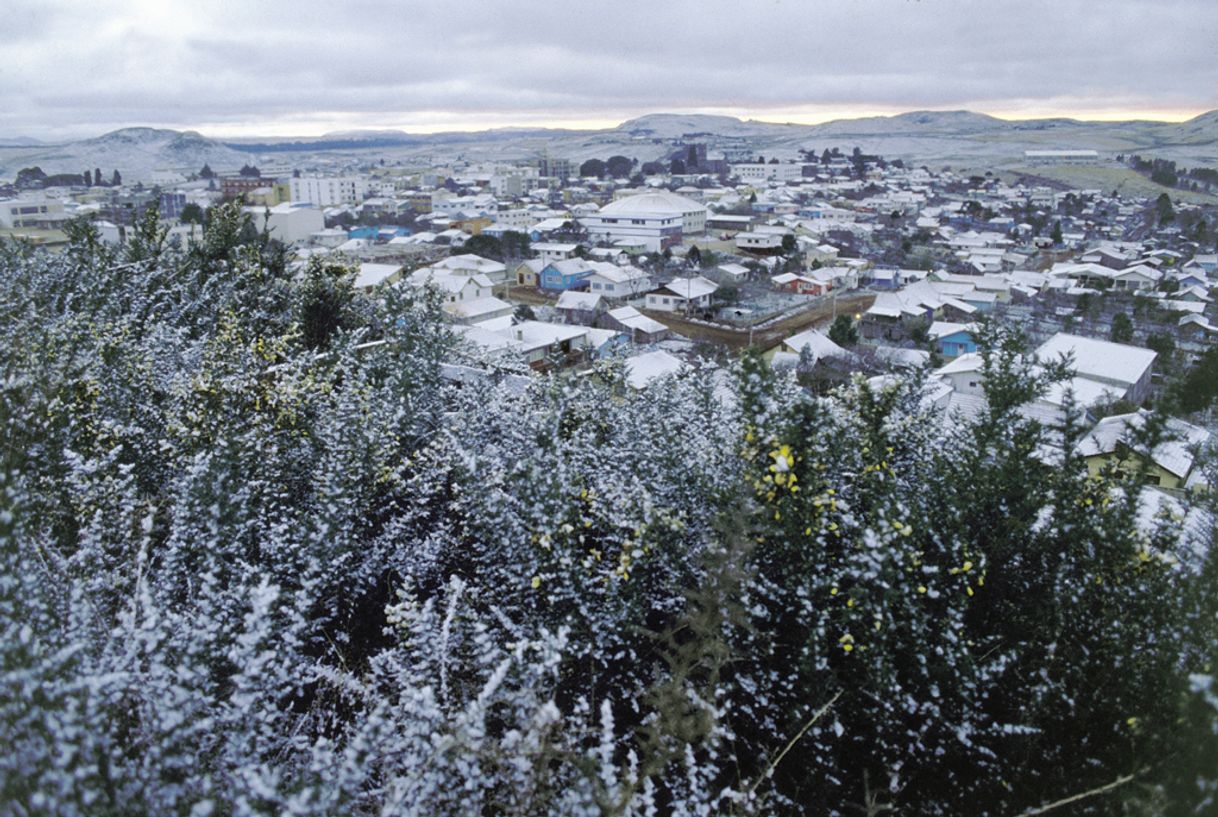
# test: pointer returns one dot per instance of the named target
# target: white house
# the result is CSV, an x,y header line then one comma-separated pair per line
x,y
682,295
617,282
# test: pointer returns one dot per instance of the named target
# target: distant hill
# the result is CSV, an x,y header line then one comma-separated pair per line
x,y
959,138
134,152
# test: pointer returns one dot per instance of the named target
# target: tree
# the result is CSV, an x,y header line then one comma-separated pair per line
x,y
694,256
843,331
486,246
324,302
206,172
363,569
789,243
1164,212
30,177
691,158
249,172
1122,328
88,178
1056,235
116,180
192,213
524,312
618,167
515,245
676,167
1162,344
593,167
97,177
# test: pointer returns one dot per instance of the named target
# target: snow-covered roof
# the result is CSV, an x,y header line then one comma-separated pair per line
x,y
477,308
1172,455
632,318
571,299
690,288
817,343
372,274
1099,359
654,203
641,370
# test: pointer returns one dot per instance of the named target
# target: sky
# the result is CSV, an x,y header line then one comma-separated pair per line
x,y
78,68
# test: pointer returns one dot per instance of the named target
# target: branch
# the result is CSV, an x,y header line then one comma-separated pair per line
x,y
774,763
1120,781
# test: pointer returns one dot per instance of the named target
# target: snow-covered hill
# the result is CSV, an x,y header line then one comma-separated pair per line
x,y
134,152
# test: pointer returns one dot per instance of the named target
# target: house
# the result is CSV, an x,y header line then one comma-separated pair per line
x,y
572,273
636,325
683,295
761,243
797,284
1126,368
549,251
452,286
817,344
643,370
540,342
732,273
371,276
953,339
1171,462
528,273
581,308
489,311
469,264
617,282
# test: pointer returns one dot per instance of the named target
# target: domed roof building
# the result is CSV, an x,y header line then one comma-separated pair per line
x,y
657,218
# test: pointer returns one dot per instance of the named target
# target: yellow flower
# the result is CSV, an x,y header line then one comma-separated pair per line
x,y
536,582
921,588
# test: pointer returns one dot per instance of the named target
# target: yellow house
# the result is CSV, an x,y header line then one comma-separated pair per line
x,y
1111,442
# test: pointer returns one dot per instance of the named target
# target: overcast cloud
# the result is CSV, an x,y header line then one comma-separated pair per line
x,y
70,69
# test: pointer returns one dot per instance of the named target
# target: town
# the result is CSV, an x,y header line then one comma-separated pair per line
x,y
833,264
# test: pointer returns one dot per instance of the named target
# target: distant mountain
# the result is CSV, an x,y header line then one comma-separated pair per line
x,y
19,141
134,152
961,138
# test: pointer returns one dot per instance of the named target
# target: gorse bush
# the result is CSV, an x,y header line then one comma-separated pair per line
x,y
260,556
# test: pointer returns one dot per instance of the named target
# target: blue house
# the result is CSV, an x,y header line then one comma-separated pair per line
x,y
565,275
953,339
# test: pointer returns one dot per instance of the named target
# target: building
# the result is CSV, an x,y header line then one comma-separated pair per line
x,y
683,295
762,172
329,191
657,218
1061,157
1124,370
288,223
31,214
616,282
1171,462
572,273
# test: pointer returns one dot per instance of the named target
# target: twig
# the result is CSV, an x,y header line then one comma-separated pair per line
x,y
778,759
1120,781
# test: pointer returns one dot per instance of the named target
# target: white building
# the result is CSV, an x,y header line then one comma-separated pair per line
x,y
682,295
657,218
288,223
617,282
30,212
760,171
328,191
